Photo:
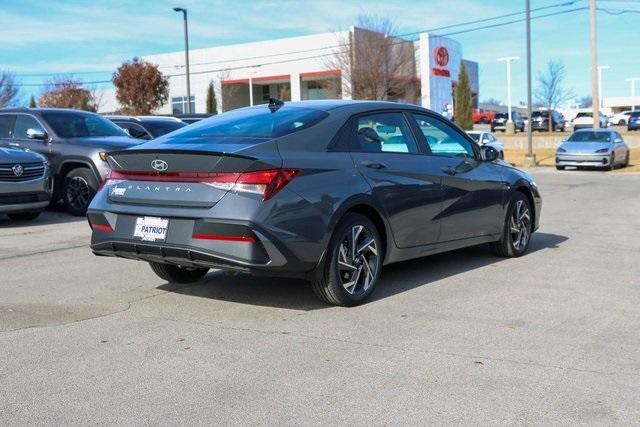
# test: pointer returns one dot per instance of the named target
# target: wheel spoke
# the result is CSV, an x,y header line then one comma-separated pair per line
x,y
367,245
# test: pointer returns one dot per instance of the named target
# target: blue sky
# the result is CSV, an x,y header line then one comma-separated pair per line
x,y
78,37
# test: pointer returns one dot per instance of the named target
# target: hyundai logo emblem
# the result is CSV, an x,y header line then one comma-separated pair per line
x,y
18,170
159,165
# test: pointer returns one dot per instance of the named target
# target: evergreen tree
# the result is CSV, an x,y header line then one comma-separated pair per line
x,y
462,104
32,102
212,106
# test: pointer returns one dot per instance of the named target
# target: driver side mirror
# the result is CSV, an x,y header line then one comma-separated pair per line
x,y
489,154
618,141
36,134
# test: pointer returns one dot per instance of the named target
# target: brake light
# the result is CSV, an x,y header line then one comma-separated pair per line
x,y
265,182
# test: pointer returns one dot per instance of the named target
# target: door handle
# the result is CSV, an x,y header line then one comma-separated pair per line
x,y
449,170
373,165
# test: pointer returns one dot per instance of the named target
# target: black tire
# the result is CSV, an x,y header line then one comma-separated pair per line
x,y
177,274
341,265
626,160
511,243
612,163
560,168
24,216
621,122
501,155
78,188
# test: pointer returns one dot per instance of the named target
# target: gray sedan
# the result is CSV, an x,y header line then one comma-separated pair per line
x,y
487,138
25,183
600,148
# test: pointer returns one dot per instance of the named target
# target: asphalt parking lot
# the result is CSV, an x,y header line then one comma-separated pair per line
x,y
458,338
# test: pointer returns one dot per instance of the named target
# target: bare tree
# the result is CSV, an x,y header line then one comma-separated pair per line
x,y
227,92
66,92
9,91
378,65
550,92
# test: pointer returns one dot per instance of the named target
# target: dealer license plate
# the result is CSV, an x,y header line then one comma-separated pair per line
x,y
151,229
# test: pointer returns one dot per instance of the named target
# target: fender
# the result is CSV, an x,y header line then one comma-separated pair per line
x,y
81,160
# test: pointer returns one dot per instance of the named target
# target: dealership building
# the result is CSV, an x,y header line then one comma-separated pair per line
x,y
306,67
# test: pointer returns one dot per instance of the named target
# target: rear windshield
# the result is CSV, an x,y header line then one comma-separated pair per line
x,y
584,115
475,136
79,125
254,122
501,115
160,127
540,114
587,136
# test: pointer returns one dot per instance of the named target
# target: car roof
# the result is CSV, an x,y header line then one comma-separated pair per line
x,y
594,130
44,110
350,106
143,118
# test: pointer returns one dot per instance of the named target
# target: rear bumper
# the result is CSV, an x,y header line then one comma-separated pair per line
x,y
593,160
260,254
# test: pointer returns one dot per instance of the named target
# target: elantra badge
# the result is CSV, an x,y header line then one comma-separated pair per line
x,y
18,170
159,165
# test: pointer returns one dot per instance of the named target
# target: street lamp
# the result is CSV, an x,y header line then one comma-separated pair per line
x,y
186,55
509,59
633,81
600,68
251,74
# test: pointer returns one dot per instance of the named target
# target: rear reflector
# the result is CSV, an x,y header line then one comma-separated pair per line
x,y
101,227
226,238
265,182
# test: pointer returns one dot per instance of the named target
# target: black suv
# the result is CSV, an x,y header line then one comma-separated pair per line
x,y
75,143
499,121
147,127
540,121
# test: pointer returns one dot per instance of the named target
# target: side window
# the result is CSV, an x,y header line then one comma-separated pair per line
x,y
135,130
23,124
385,132
443,140
6,125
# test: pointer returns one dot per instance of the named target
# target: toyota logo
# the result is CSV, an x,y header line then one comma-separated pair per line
x,y
159,165
442,56
18,170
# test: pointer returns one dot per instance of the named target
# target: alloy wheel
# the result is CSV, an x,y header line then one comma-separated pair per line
x,y
520,225
78,192
358,260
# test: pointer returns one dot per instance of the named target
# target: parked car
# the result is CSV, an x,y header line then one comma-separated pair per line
x,y
481,116
600,148
25,183
74,142
486,138
634,121
147,127
324,190
192,118
540,121
584,120
499,122
620,119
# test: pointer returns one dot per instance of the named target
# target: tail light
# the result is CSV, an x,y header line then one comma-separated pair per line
x,y
264,182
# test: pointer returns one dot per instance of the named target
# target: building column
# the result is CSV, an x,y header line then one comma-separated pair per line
x,y
425,70
294,80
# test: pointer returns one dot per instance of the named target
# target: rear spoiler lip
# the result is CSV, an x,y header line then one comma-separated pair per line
x,y
177,151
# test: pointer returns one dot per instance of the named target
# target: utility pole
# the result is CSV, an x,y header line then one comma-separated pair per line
x,y
600,91
509,128
595,94
186,55
530,158
633,81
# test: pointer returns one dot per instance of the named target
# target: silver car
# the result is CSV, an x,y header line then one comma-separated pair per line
x,y
25,183
600,148
487,138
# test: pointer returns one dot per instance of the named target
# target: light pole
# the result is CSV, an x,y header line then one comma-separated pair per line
x,y
633,81
600,68
529,159
186,55
595,93
509,128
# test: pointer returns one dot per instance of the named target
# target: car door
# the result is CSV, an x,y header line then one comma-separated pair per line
x,y
403,184
22,124
473,190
